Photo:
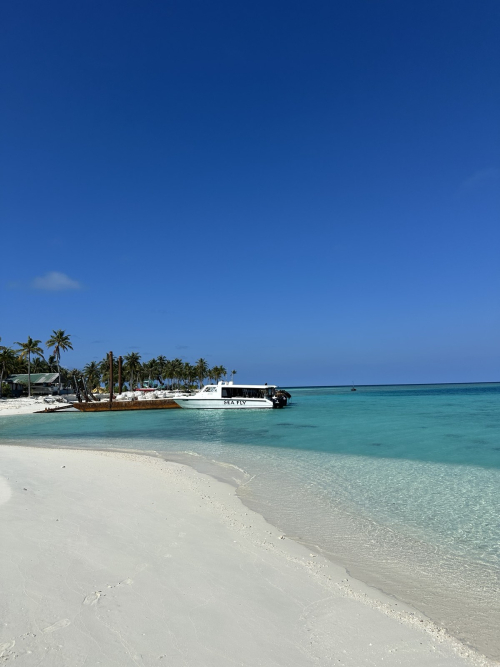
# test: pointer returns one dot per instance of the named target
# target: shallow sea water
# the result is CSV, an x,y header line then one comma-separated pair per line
x,y
401,484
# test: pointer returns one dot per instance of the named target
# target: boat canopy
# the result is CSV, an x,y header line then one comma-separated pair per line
x,y
230,390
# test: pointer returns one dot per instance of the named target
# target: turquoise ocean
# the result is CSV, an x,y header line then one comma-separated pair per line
x,y
400,484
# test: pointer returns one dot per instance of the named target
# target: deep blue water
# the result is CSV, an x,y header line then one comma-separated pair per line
x,y
400,484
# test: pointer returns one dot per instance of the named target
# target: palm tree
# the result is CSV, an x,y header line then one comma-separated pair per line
x,y
7,364
103,367
39,365
161,362
233,373
190,373
132,367
151,370
217,372
92,374
60,341
26,350
66,375
177,370
201,370
72,375
168,372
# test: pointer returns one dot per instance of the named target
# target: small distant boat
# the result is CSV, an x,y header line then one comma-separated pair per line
x,y
226,395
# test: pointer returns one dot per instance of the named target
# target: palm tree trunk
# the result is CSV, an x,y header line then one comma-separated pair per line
x,y
1,382
59,370
29,375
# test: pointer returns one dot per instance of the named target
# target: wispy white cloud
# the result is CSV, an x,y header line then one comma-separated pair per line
x,y
55,281
480,177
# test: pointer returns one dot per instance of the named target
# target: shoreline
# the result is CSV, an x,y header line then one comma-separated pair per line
x,y
10,407
318,578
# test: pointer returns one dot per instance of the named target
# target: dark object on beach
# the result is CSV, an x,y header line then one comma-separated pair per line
x,y
57,409
89,396
81,390
77,389
90,404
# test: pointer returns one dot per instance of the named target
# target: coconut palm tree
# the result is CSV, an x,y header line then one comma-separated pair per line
x,y
201,370
103,367
177,370
133,367
233,373
190,373
217,372
7,364
61,342
25,351
168,372
92,374
151,370
39,365
72,375
161,364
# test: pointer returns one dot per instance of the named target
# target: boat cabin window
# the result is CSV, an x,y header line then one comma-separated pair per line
x,y
210,389
245,392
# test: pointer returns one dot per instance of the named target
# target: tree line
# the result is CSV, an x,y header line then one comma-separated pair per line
x,y
29,358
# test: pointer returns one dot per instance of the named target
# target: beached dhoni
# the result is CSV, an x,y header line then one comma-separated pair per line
x,y
226,395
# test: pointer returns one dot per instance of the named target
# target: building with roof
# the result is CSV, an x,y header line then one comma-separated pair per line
x,y
41,383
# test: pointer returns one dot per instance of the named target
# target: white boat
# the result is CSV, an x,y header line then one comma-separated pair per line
x,y
226,395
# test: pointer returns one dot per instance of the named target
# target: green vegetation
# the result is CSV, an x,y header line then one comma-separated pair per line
x,y
31,347
160,371
8,361
61,342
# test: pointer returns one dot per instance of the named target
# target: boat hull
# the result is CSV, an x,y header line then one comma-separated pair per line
x,y
118,406
224,403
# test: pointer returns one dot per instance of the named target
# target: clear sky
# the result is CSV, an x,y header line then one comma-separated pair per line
x,y
307,192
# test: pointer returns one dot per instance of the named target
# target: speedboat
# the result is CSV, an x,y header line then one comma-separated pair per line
x,y
226,395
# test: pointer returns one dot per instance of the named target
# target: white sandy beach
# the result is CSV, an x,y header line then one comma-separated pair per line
x,y
23,405
116,559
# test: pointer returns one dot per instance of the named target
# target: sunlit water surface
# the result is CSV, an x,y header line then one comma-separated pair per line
x,y
399,484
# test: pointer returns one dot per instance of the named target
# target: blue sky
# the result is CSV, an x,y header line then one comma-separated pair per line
x,y
306,192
